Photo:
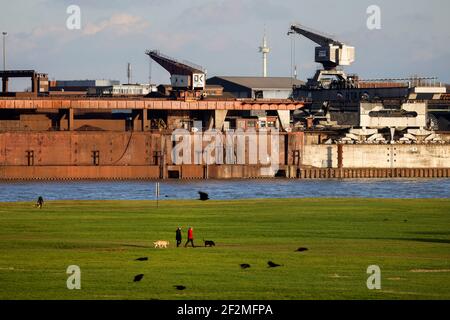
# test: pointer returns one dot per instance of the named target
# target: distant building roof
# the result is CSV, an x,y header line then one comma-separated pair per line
x,y
258,82
87,83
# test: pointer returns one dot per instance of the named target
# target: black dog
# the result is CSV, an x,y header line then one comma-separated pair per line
x,y
209,243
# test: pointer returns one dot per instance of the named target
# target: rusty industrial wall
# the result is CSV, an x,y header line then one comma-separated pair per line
x,y
207,172
115,148
76,148
148,155
78,172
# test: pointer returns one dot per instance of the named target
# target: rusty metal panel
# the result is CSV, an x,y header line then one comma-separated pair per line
x,y
28,104
75,104
202,105
19,104
175,105
139,104
111,104
93,104
121,104
192,171
10,104
90,103
131,104
102,104
56,104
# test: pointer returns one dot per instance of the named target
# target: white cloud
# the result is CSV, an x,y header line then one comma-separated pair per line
x,y
120,24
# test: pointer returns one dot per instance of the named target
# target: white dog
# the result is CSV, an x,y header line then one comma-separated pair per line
x,y
161,244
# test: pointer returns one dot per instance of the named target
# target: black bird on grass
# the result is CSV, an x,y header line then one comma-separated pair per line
x,y
244,265
273,264
203,196
138,277
179,287
302,249
142,259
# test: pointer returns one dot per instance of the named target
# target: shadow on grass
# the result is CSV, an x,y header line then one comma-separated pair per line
x,y
134,245
427,240
437,233
447,241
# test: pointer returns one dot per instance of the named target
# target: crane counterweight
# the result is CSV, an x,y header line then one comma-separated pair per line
x,y
330,53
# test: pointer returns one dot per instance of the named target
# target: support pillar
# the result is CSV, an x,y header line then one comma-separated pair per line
x,y
210,123
34,85
5,81
140,121
285,118
145,124
219,118
340,151
70,121
60,119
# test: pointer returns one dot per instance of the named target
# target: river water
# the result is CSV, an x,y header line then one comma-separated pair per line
x,y
225,189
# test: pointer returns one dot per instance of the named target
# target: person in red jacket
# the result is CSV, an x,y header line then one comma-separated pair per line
x,y
190,237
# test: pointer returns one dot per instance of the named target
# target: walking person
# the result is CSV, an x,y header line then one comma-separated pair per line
x,y
178,236
40,202
190,237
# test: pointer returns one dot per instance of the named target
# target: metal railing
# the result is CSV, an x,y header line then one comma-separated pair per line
x,y
411,81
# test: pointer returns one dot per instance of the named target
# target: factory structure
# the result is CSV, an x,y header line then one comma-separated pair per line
x,y
334,125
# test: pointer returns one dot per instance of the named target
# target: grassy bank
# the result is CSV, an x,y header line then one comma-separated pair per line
x,y
408,239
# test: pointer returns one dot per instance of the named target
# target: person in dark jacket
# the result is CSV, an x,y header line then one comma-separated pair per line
x,y
178,236
40,202
190,237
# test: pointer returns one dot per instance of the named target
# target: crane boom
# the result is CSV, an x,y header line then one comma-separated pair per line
x,y
318,38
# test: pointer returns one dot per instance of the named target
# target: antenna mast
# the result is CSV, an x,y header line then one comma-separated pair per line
x,y
129,72
265,50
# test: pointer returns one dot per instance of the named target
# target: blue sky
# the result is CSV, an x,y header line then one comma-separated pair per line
x,y
223,36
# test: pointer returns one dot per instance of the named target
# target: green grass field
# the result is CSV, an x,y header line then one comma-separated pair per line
x,y
408,239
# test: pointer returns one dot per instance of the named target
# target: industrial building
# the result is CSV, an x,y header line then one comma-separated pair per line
x,y
256,87
122,90
81,85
